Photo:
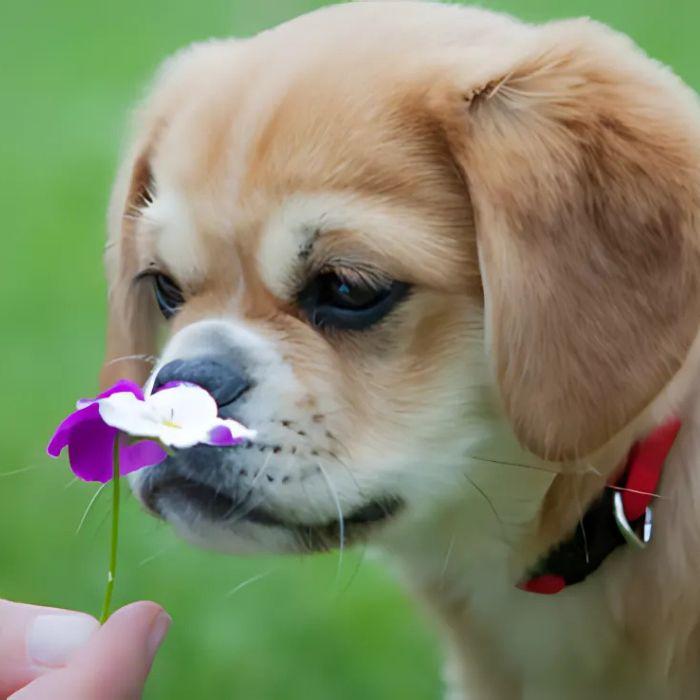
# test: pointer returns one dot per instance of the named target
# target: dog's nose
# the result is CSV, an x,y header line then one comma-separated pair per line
x,y
225,380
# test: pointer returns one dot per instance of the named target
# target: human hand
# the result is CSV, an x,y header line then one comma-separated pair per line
x,y
65,655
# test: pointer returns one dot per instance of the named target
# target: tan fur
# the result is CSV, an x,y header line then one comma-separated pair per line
x,y
540,189
579,168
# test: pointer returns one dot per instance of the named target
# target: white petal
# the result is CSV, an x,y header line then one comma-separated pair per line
x,y
129,414
187,405
180,437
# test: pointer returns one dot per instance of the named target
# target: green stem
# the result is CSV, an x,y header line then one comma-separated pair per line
x,y
115,534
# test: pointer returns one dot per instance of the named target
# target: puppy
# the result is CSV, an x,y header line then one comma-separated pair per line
x,y
447,265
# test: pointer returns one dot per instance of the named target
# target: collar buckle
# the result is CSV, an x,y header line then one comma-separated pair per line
x,y
629,532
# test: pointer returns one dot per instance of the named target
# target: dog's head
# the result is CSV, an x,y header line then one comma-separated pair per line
x,y
379,231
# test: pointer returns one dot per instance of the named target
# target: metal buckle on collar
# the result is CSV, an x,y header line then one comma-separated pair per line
x,y
626,528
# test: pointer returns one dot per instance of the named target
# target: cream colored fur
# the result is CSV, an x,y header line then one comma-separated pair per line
x,y
539,188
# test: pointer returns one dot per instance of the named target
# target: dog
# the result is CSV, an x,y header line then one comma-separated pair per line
x,y
447,265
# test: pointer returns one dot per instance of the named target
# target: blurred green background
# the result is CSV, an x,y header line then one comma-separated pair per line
x,y
243,628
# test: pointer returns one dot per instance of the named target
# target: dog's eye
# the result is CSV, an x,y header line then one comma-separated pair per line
x,y
332,301
168,295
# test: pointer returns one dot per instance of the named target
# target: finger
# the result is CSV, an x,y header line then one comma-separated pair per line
x,y
34,640
123,650
114,666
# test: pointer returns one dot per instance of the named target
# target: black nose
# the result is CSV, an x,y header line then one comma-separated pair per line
x,y
226,380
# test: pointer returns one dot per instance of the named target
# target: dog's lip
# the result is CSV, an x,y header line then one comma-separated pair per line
x,y
219,506
372,512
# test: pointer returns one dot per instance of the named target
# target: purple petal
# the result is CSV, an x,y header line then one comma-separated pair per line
x,y
63,433
122,386
90,440
221,436
91,449
145,453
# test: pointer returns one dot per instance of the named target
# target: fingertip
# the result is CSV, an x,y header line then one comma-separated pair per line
x,y
143,620
146,613
52,638
142,611
120,654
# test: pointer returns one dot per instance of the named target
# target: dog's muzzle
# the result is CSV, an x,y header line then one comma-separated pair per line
x,y
225,487
197,478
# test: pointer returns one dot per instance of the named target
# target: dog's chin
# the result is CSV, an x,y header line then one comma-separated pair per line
x,y
214,519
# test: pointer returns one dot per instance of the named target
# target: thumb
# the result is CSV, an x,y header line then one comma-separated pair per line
x,y
115,663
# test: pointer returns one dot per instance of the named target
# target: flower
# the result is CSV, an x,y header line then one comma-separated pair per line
x,y
178,416
90,440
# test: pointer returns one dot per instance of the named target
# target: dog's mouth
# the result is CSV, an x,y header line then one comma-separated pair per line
x,y
225,509
175,488
356,525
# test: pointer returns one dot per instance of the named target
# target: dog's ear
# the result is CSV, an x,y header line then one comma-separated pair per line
x,y
582,160
131,325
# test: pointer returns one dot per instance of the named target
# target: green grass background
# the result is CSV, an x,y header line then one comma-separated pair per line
x,y
69,71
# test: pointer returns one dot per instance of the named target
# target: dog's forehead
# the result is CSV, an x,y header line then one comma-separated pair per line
x,y
259,127
251,128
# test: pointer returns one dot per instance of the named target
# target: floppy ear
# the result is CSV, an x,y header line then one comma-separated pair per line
x,y
131,325
582,159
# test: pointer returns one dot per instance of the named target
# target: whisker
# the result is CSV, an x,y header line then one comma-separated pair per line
x,y
341,520
518,464
247,582
240,510
491,506
90,504
448,555
14,472
312,504
589,469
154,556
149,359
261,471
71,482
340,443
356,571
353,478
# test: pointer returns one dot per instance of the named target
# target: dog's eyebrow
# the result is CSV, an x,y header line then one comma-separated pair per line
x,y
170,232
307,246
292,232
294,229
142,189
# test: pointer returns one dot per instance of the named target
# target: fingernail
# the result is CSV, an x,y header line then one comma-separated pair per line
x,y
159,628
52,639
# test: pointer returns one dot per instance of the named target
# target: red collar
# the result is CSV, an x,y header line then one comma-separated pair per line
x,y
621,515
